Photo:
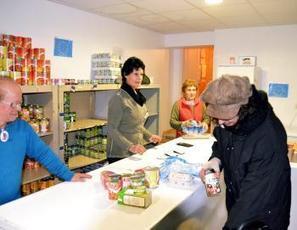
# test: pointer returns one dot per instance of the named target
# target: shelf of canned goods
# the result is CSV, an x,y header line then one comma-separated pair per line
x,y
39,109
82,140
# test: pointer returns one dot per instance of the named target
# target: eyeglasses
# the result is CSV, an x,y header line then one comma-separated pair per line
x,y
13,105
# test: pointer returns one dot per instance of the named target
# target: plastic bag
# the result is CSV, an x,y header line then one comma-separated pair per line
x,y
195,128
177,172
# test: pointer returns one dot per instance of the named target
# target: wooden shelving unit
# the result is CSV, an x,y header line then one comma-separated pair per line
x,y
81,161
83,102
45,134
90,102
46,96
33,89
85,124
30,175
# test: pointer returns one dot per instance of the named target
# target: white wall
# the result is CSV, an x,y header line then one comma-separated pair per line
x,y
176,72
275,48
43,21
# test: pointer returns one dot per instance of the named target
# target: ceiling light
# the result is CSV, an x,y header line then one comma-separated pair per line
x,y
213,2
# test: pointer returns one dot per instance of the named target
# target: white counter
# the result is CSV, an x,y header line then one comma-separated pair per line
x,y
85,206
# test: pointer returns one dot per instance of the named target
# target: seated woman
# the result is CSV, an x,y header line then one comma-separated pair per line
x,y
189,110
127,113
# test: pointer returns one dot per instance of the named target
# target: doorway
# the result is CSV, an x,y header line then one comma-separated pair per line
x,y
198,65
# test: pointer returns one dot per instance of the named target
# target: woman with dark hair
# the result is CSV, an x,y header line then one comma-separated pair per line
x,y
251,148
127,113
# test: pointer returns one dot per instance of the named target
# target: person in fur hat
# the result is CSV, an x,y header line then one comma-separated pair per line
x,y
251,150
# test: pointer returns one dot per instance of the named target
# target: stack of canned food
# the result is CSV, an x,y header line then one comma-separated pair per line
x,y
34,115
70,81
69,117
93,141
106,67
26,65
90,142
35,186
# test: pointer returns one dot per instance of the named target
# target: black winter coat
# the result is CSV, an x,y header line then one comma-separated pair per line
x,y
257,173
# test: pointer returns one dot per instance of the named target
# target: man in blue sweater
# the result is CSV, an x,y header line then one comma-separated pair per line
x,y
17,140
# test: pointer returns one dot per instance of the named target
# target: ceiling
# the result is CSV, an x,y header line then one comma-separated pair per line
x,y
181,16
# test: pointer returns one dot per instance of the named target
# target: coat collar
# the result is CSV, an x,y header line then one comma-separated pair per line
x,y
137,97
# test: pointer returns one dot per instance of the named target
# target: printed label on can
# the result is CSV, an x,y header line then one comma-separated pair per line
x,y
212,184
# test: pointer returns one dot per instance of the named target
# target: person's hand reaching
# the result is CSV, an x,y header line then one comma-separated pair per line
x,y
80,177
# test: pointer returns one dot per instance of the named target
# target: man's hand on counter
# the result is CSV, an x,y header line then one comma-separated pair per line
x,y
80,177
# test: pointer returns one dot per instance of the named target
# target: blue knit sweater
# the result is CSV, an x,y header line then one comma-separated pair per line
x,y
24,141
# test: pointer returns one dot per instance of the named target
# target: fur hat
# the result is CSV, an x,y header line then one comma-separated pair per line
x,y
224,96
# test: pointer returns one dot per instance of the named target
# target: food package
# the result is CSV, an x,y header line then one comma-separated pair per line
x,y
132,198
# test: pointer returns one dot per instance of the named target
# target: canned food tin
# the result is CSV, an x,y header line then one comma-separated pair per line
x,y
26,189
31,78
137,180
35,125
19,63
43,184
51,182
44,125
20,52
7,64
25,114
34,186
11,52
104,141
24,78
18,41
212,183
40,78
31,111
114,185
27,43
152,176
38,112
39,53
126,178
3,52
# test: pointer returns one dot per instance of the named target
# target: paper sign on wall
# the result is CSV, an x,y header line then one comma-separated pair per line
x,y
278,90
63,48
